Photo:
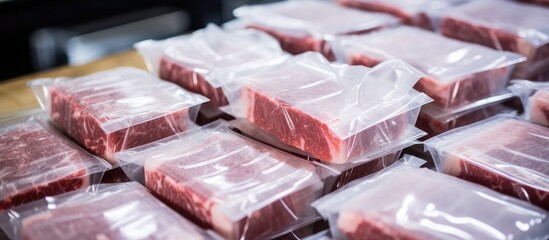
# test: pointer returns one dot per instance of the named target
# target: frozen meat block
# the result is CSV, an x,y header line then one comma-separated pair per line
x,y
503,25
411,12
105,211
302,26
238,187
37,162
502,153
116,109
424,204
189,61
333,112
457,72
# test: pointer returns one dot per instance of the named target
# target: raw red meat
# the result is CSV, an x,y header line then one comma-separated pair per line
x,y
37,163
238,187
414,13
190,62
119,109
453,68
434,125
502,153
539,108
541,2
299,31
428,205
503,25
115,211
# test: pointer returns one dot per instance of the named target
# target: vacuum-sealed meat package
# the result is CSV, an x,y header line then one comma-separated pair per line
x,y
109,111
503,25
419,13
457,72
333,112
536,101
503,153
105,211
188,61
435,120
36,161
302,26
407,202
234,185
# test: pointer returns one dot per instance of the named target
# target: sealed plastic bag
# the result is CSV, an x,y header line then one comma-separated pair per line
x,y
435,120
333,112
341,174
503,153
236,186
457,72
407,202
419,13
188,61
36,161
302,26
536,102
106,211
117,109
503,25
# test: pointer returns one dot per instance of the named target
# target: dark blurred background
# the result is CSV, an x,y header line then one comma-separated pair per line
x,y
40,34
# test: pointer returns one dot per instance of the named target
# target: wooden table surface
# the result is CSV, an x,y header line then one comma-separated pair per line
x,y
15,96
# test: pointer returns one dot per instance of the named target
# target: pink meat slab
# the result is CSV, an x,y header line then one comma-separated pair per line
x,y
299,31
238,187
115,212
37,163
503,25
539,108
502,153
410,12
119,109
189,62
457,72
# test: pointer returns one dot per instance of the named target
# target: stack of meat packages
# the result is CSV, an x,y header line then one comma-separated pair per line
x,y
294,113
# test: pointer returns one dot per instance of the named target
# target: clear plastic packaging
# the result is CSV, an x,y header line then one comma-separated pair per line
x,y
458,73
189,61
109,111
308,25
535,101
341,174
236,186
503,25
502,153
435,120
419,13
36,161
333,112
105,211
407,202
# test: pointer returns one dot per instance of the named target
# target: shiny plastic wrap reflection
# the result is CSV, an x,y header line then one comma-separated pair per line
x,y
234,185
117,109
503,25
106,211
419,13
36,161
407,202
503,153
188,61
302,26
535,101
333,112
458,73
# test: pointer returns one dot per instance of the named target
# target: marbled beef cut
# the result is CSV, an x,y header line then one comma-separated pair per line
x,y
35,162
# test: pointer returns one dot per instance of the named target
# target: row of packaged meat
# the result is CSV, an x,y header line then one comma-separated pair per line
x,y
307,141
